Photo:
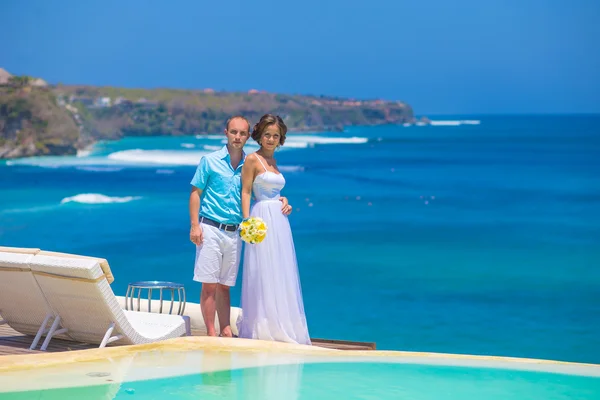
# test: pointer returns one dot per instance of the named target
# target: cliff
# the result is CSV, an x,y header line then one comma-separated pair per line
x,y
31,123
41,120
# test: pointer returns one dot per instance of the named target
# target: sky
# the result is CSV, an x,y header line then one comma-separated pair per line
x,y
440,56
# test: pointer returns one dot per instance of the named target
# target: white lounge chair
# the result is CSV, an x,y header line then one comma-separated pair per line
x,y
22,304
77,289
193,311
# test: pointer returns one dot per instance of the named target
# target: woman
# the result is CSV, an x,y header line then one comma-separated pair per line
x,y
272,307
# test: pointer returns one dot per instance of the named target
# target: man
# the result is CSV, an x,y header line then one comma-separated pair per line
x,y
215,214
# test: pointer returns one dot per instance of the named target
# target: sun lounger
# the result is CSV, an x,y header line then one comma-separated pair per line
x,y
77,289
22,304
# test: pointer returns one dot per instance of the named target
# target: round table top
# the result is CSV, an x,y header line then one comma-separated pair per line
x,y
156,285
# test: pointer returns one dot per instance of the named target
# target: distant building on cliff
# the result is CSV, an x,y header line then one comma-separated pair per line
x,y
102,102
38,82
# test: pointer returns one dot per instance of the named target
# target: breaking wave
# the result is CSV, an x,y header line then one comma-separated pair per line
x,y
455,122
163,157
96,198
314,139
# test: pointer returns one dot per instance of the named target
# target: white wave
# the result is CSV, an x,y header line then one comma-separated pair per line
x,y
163,157
455,122
28,210
297,145
211,137
211,147
65,161
99,169
296,141
188,145
250,142
248,148
117,160
445,123
83,153
325,139
150,158
96,198
291,168
52,166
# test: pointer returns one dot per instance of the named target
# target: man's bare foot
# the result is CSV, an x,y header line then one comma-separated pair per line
x,y
226,332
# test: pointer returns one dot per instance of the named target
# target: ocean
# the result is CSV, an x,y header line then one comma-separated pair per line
x,y
476,235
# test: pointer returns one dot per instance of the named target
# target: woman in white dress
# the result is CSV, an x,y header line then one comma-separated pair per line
x,y
272,306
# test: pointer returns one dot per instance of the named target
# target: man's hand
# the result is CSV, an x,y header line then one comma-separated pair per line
x,y
196,234
286,208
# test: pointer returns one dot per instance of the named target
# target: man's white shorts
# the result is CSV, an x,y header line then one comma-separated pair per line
x,y
218,257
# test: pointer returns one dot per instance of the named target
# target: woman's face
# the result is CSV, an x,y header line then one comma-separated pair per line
x,y
270,137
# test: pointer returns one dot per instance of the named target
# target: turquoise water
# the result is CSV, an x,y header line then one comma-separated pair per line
x,y
480,239
342,381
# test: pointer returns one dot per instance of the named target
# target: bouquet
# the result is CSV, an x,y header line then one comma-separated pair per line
x,y
253,230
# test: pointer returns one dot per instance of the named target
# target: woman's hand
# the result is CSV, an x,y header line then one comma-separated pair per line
x,y
286,208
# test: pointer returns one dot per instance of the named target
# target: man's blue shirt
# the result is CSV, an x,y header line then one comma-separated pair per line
x,y
221,187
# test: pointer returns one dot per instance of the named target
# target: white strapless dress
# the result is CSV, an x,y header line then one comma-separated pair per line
x,y
272,305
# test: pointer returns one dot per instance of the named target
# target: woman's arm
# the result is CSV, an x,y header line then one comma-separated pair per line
x,y
286,208
248,175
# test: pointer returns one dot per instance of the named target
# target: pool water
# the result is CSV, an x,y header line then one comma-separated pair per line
x,y
341,380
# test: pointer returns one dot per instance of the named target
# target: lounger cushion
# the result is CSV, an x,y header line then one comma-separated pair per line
x,y
101,261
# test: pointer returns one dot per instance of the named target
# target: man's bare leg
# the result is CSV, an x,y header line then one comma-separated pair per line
x,y
208,306
224,309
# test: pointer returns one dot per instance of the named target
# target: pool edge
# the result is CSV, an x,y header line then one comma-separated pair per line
x,y
34,361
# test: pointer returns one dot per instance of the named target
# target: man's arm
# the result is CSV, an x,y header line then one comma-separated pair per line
x,y
199,182
196,234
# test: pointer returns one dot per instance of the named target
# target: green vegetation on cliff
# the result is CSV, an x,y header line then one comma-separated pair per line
x,y
39,120
138,112
31,123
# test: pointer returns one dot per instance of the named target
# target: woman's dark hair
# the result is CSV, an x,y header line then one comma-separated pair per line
x,y
266,121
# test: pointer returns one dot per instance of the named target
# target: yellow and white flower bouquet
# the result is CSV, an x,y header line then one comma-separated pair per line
x,y
253,230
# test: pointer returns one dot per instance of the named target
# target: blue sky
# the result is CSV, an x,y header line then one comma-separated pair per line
x,y
443,57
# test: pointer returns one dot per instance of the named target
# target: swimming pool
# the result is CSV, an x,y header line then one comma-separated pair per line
x,y
252,373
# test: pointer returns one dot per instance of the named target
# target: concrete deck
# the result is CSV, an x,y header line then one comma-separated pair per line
x,y
13,343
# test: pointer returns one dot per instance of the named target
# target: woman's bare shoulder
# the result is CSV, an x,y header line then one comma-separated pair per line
x,y
251,160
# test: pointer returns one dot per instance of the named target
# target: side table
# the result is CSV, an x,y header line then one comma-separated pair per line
x,y
156,285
